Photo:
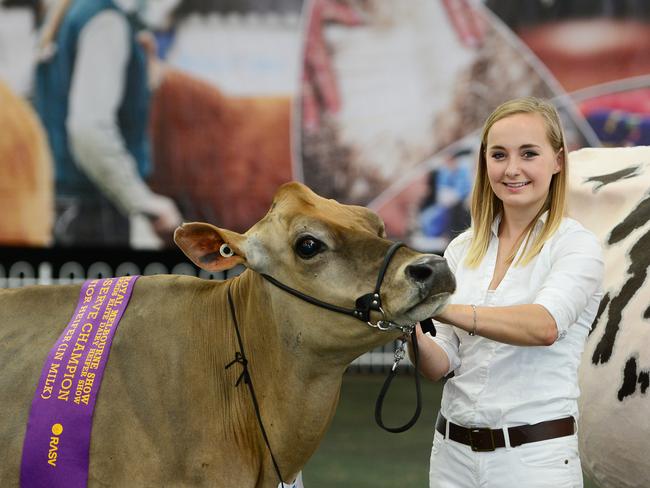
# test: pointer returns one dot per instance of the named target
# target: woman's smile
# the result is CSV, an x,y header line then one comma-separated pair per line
x,y
517,186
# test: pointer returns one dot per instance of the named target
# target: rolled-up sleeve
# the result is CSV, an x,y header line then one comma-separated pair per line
x,y
575,276
446,337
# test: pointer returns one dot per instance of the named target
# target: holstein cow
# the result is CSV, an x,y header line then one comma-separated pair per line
x,y
610,194
168,413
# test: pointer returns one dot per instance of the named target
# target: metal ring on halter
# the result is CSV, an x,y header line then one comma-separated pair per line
x,y
380,325
390,325
383,319
383,324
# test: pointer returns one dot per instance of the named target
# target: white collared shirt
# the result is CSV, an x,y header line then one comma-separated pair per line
x,y
496,384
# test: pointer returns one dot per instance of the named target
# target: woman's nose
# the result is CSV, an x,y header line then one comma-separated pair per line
x,y
512,169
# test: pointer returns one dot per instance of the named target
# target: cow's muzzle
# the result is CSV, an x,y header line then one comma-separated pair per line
x,y
431,275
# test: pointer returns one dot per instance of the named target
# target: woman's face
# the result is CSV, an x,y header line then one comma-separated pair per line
x,y
521,162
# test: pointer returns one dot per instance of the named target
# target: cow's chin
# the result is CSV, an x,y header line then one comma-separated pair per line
x,y
428,307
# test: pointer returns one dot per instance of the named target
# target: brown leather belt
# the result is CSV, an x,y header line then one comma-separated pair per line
x,y
485,439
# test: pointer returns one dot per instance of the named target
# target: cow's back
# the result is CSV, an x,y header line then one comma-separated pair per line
x,y
152,412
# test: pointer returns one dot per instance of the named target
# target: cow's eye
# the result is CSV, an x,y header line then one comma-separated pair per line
x,y
307,247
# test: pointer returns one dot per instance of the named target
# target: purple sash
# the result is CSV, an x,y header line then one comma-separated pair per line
x,y
57,441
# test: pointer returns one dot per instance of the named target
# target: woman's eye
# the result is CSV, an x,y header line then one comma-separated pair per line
x,y
529,154
307,247
498,156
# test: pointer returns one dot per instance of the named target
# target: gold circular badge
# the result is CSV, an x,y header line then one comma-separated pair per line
x,y
57,429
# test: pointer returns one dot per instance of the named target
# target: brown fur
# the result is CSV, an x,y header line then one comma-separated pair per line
x,y
220,157
26,181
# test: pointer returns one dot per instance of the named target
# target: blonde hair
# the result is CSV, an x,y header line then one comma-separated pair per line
x,y
485,204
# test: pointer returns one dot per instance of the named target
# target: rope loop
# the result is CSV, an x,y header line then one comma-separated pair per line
x,y
240,359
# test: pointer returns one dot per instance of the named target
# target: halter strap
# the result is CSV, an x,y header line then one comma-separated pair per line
x,y
363,305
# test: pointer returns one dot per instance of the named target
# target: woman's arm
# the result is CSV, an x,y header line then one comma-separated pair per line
x,y
575,275
519,325
438,355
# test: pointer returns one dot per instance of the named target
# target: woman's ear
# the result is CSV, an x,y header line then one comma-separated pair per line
x,y
559,161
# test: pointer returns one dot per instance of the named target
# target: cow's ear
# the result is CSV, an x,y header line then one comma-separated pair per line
x,y
209,247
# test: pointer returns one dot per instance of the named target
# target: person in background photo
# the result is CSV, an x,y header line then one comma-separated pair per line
x,y
92,93
528,289
443,211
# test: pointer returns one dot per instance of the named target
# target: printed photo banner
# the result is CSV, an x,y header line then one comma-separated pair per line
x,y
57,441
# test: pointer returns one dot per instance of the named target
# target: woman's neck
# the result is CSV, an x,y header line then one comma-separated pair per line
x,y
514,222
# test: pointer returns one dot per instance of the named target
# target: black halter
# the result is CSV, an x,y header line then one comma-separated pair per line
x,y
363,305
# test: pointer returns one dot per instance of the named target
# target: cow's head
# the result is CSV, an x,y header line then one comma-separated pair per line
x,y
327,250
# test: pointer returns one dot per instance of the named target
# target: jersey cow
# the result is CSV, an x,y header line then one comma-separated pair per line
x,y
168,413
610,194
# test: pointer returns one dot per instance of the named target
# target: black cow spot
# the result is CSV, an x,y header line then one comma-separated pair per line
x,y
644,381
601,308
631,378
606,179
639,257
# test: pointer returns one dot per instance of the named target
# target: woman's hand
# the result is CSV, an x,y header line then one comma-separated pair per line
x,y
434,363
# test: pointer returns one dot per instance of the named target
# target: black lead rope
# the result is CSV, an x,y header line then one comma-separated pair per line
x,y
427,326
240,358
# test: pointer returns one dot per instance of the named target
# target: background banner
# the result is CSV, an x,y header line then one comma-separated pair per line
x,y
372,102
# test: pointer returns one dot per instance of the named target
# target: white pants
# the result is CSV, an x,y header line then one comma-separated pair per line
x,y
546,464
296,484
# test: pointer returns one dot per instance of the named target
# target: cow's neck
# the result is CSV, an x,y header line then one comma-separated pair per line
x,y
297,387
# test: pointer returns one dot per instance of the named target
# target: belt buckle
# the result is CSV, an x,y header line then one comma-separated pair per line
x,y
478,431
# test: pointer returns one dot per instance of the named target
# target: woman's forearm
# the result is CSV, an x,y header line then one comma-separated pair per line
x,y
519,325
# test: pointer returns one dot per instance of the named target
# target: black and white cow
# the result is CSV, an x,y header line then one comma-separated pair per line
x,y
610,194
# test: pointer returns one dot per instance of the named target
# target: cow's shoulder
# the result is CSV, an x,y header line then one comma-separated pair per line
x,y
170,292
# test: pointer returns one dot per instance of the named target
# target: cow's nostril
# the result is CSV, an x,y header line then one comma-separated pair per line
x,y
419,272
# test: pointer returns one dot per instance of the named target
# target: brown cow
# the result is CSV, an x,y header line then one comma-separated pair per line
x,y
26,181
221,158
168,413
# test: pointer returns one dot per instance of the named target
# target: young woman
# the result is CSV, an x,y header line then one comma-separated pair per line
x,y
528,289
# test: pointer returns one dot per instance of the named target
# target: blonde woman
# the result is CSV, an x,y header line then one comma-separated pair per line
x,y
529,286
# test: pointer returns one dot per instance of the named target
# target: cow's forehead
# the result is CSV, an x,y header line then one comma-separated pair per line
x,y
295,202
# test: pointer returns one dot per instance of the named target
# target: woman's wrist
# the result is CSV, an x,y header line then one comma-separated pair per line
x,y
462,316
